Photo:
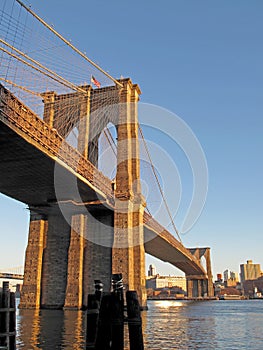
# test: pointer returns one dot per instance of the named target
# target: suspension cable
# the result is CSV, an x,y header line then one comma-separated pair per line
x,y
69,43
111,142
59,79
158,183
21,87
108,136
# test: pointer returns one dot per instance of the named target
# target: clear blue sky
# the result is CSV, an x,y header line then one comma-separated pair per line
x,y
203,61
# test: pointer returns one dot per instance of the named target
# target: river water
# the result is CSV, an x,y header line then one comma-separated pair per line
x,y
223,324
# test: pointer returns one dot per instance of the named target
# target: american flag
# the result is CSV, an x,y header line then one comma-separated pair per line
x,y
95,81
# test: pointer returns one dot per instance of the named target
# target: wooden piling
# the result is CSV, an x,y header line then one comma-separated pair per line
x,y
92,321
105,318
117,312
98,289
117,321
7,319
134,321
94,301
103,341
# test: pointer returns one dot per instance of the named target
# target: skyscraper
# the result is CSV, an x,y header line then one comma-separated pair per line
x,y
249,271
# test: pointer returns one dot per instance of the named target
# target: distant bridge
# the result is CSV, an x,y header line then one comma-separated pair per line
x,y
14,273
11,276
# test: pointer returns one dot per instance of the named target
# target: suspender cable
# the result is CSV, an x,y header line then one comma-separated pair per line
x,y
69,43
58,80
20,87
112,142
62,80
158,183
108,137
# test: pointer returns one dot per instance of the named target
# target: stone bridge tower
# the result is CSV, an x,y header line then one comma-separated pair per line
x,y
66,252
201,286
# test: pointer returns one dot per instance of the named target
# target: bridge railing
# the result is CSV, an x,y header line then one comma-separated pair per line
x,y
20,116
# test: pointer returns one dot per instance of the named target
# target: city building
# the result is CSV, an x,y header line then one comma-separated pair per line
x,y
253,288
152,270
219,277
159,282
230,278
249,271
218,284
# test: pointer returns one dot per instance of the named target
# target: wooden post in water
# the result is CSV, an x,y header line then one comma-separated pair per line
x,y
92,321
134,321
98,289
117,313
111,318
7,319
105,318
103,341
94,301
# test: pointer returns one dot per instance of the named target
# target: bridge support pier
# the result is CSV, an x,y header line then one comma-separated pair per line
x,y
31,290
198,286
97,252
128,254
74,290
55,262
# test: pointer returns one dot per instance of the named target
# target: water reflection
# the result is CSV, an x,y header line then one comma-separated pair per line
x,y
168,303
28,329
166,325
50,329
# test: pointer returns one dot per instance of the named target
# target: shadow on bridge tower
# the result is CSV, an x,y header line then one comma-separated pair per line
x,y
67,252
201,286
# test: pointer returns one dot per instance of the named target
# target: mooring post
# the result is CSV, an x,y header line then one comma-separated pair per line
x,y
98,289
7,318
12,322
103,340
92,321
117,313
134,321
93,315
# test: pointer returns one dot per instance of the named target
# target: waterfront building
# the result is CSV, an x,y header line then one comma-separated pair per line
x,y
159,282
249,271
219,284
253,286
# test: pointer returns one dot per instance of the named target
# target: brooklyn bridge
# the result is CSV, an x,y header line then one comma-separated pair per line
x,y
83,225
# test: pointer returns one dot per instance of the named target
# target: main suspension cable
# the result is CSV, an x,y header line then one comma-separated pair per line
x,y
69,43
57,78
158,183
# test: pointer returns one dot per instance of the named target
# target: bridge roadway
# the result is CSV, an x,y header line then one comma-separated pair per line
x,y
29,150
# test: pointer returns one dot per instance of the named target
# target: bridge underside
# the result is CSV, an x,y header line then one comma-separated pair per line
x,y
27,174
160,248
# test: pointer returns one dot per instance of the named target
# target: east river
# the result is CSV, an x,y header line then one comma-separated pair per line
x,y
166,325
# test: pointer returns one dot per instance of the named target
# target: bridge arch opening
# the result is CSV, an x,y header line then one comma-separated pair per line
x,y
203,262
107,151
72,137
